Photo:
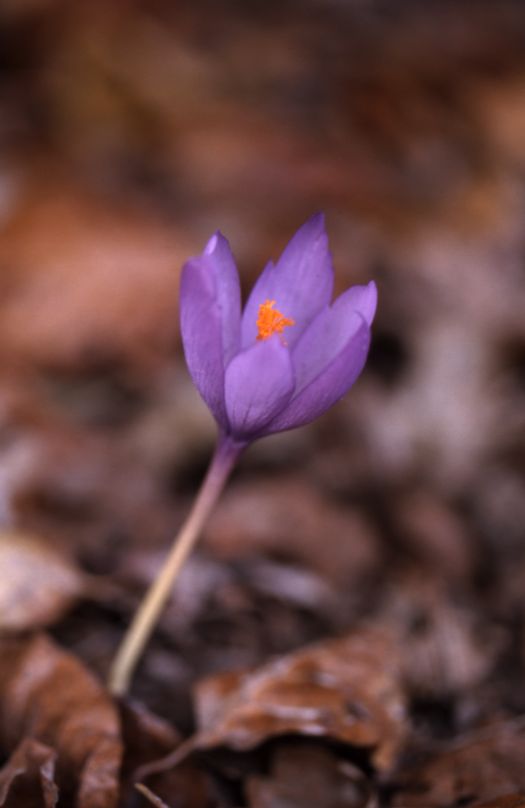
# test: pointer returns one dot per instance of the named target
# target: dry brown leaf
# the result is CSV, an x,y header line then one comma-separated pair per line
x,y
345,689
46,694
484,767
28,778
37,584
310,776
507,801
447,648
186,785
148,738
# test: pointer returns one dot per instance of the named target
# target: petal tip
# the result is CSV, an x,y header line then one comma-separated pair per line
x,y
213,243
217,244
315,224
372,289
312,234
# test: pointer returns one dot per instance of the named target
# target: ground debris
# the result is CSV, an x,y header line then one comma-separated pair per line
x,y
310,776
130,132
507,801
47,696
345,690
37,584
481,769
28,778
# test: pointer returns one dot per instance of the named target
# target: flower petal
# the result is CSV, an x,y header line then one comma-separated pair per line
x,y
330,331
329,386
363,299
258,384
210,306
201,330
228,292
301,282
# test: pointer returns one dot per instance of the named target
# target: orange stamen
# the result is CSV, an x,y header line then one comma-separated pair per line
x,y
271,321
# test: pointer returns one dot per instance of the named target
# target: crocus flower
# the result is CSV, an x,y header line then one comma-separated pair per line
x,y
291,354
280,363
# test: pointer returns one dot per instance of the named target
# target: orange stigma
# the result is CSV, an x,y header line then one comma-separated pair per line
x,y
271,321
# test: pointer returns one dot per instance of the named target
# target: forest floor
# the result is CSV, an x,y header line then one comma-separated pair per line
x,y
350,632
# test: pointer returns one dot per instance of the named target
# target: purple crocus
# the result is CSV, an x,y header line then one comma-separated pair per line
x,y
280,363
291,353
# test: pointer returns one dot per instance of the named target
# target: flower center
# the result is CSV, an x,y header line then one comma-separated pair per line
x,y
271,321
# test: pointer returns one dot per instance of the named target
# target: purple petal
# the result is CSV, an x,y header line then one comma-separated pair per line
x,y
363,299
228,292
301,282
329,386
259,383
210,311
201,330
330,331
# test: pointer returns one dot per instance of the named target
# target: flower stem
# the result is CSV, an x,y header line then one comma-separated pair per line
x,y
147,615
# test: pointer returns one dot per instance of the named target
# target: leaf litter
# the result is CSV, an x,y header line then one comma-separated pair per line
x,y
50,699
345,690
102,442
37,584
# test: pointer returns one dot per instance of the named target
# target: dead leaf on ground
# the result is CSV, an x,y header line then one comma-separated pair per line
x,y
487,766
447,648
346,690
310,776
28,778
47,695
147,738
37,584
507,801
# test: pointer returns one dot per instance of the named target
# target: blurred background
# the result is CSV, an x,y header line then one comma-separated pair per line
x,y
129,132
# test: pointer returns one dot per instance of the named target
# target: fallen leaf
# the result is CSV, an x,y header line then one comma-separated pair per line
x,y
37,584
47,695
346,690
507,801
487,766
310,776
448,649
147,738
28,778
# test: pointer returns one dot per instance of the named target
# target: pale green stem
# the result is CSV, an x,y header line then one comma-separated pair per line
x,y
148,613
